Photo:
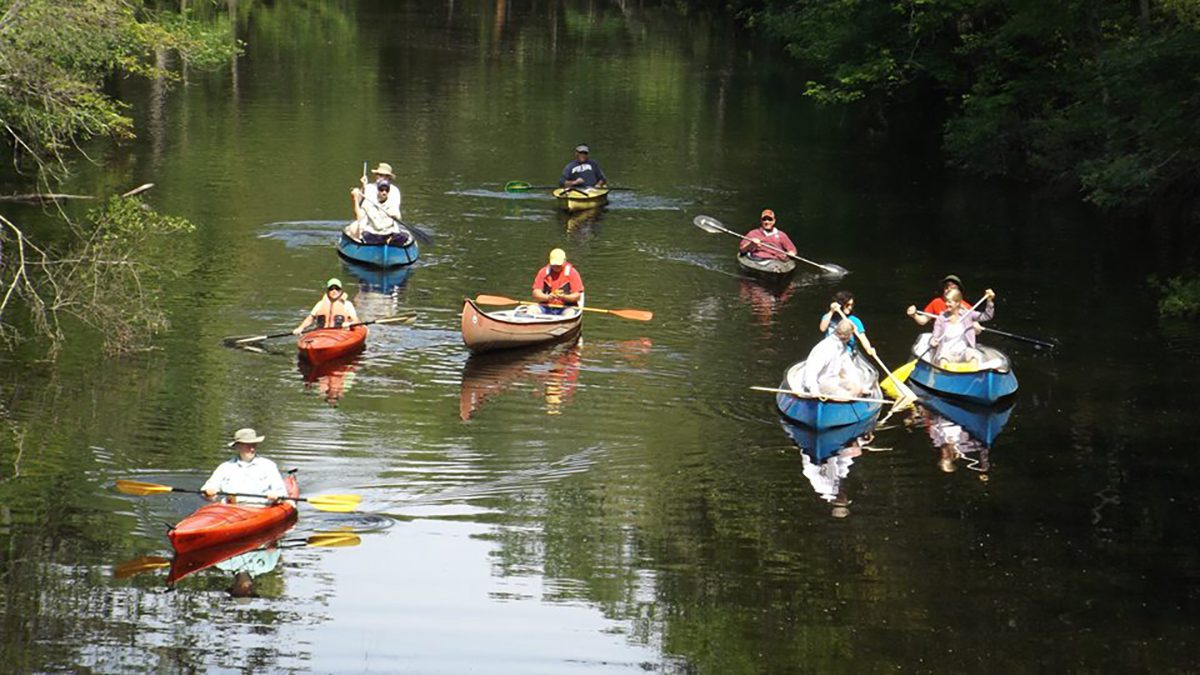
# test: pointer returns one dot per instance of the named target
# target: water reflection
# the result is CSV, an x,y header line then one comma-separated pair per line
x,y
583,224
331,379
827,456
555,368
960,430
764,302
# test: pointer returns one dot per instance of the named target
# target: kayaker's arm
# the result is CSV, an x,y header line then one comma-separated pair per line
x,y
921,319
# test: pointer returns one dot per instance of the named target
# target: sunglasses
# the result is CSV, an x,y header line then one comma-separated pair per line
x,y
768,220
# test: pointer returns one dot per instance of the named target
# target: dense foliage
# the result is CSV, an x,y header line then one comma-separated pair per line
x,y
1101,93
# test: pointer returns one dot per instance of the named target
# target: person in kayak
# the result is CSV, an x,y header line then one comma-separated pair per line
x,y
582,172
333,310
953,339
246,474
829,369
558,284
766,234
375,220
938,304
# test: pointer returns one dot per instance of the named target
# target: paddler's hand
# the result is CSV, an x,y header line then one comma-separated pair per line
x,y
357,193
989,294
756,240
209,494
296,330
834,308
911,311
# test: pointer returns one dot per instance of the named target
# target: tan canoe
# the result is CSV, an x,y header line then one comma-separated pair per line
x,y
581,199
511,328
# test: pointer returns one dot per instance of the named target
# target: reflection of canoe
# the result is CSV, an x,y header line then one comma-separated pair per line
x,y
377,279
326,344
826,414
486,375
216,524
769,269
819,445
984,386
379,255
579,199
984,423
200,559
521,327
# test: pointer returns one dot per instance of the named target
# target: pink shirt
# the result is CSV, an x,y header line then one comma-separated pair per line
x,y
776,238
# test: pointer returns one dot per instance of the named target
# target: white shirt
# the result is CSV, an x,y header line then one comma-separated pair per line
x,y
379,218
392,205
259,476
827,360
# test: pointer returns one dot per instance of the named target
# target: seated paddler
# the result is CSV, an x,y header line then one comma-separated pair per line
x,y
246,474
376,221
558,284
830,369
757,241
581,172
333,310
954,330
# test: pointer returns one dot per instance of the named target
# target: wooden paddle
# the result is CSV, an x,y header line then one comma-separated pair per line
x,y
800,394
147,563
240,340
712,225
334,503
634,314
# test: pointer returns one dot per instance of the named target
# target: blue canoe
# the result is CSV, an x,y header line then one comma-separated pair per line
x,y
985,386
820,445
379,255
820,413
983,423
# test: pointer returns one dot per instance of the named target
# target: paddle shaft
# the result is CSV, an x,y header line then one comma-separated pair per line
x,y
800,394
776,249
234,494
905,391
260,338
931,345
997,331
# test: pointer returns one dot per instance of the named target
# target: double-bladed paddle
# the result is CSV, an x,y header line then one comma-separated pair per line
x,y
241,340
712,226
522,186
1048,344
634,314
334,503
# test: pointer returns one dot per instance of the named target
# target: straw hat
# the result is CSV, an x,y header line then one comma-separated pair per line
x,y
384,169
246,435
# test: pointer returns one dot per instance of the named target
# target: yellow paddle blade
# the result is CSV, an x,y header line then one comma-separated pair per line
x,y
335,503
888,385
334,539
137,487
138,565
635,314
495,300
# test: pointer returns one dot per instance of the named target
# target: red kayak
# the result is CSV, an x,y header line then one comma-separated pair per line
x,y
326,344
216,524
202,558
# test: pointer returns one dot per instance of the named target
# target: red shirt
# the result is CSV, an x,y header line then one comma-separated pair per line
x,y
776,238
938,305
567,280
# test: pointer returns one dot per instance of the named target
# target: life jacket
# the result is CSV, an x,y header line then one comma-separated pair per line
x,y
330,317
562,281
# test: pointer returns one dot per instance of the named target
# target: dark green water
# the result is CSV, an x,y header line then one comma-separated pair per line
x,y
625,505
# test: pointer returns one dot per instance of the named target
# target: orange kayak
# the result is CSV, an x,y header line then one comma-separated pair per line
x,y
216,524
326,344
198,559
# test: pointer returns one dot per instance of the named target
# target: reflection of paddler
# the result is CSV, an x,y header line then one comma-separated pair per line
x,y
561,380
333,379
246,566
953,442
762,300
827,477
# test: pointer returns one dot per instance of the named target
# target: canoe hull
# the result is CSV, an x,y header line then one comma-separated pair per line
x,y
767,270
216,524
327,344
984,387
828,414
378,255
575,199
820,445
484,332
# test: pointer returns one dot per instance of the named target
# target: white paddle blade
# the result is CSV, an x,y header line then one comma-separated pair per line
x,y
835,270
708,224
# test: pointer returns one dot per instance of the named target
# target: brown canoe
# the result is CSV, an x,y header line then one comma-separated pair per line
x,y
511,328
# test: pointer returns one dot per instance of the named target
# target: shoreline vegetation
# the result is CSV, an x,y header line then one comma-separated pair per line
x,y
55,60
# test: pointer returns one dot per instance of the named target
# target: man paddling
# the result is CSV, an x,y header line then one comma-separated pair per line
x,y
558,284
333,310
246,474
370,190
829,369
582,172
766,234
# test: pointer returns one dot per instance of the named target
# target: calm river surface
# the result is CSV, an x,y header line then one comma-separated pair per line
x,y
627,504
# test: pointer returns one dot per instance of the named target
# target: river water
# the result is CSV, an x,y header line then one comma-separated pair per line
x,y
625,504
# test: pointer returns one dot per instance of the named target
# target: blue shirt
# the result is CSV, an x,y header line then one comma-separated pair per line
x,y
858,326
589,171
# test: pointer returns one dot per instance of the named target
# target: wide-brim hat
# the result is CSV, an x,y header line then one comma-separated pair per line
x,y
246,435
558,256
384,169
